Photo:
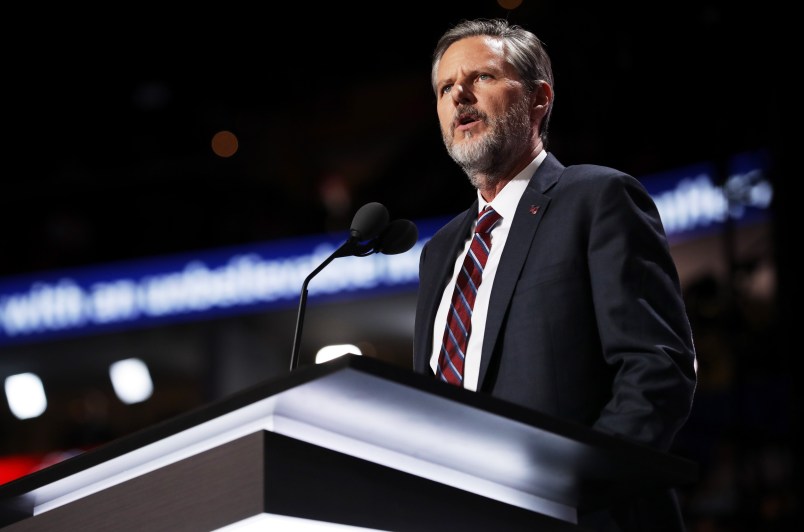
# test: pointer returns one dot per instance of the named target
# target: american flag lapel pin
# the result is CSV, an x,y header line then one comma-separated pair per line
x,y
534,209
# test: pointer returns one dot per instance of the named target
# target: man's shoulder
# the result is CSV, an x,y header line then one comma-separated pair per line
x,y
586,170
458,223
589,175
583,172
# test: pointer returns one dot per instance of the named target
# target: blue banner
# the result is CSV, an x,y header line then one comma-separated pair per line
x,y
266,276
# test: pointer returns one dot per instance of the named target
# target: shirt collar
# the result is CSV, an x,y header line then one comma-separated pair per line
x,y
508,198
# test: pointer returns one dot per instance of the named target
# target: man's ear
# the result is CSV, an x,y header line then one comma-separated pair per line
x,y
541,100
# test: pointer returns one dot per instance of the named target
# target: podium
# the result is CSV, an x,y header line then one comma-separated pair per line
x,y
352,444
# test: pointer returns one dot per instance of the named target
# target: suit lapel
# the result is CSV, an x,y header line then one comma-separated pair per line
x,y
529,212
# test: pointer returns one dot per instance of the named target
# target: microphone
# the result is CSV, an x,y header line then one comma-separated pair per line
x,y
370,232
398,237
368,222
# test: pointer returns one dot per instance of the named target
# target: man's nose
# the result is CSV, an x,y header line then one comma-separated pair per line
x,y
461,94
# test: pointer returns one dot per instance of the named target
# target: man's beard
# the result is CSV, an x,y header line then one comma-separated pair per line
x,y
487,159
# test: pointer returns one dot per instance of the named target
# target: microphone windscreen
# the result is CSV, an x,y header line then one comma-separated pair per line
x,y
398,237
369,221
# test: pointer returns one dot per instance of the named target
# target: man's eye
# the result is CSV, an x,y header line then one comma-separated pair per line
x,y
483,77
445,89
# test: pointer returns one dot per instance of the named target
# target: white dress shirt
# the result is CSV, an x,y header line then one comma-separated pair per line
x,y
505,204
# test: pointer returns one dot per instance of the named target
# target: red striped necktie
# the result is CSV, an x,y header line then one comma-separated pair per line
x,y
459,319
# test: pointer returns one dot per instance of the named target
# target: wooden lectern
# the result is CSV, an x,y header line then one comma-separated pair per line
x,y
353,444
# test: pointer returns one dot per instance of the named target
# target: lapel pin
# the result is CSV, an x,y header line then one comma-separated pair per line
x,y
534,209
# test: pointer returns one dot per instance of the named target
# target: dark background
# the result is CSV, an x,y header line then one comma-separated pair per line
x,y
108,116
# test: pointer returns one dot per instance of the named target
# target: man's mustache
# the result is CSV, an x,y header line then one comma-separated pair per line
x,y
467,112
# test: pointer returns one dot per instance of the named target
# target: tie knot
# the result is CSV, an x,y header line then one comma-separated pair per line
x,y
486,220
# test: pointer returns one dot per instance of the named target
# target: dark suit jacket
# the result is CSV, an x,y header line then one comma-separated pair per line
x,y
586,320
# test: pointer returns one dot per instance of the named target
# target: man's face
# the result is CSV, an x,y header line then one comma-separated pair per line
x,y
482,106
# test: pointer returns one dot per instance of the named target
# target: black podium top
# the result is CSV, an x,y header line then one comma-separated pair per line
x,y
369,409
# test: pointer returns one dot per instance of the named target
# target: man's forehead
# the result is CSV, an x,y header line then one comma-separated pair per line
x,y
472,51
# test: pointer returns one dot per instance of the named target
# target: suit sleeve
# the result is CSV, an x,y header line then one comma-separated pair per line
x,y
644,329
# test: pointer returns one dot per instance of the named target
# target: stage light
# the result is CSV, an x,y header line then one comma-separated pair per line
x,y
26,395
330,352
131,380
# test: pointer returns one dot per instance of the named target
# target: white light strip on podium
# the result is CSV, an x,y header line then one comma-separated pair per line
x,y
263,522
371,421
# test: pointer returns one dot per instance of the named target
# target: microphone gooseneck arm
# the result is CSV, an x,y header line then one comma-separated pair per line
x,y
371,232
368,221
342,251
